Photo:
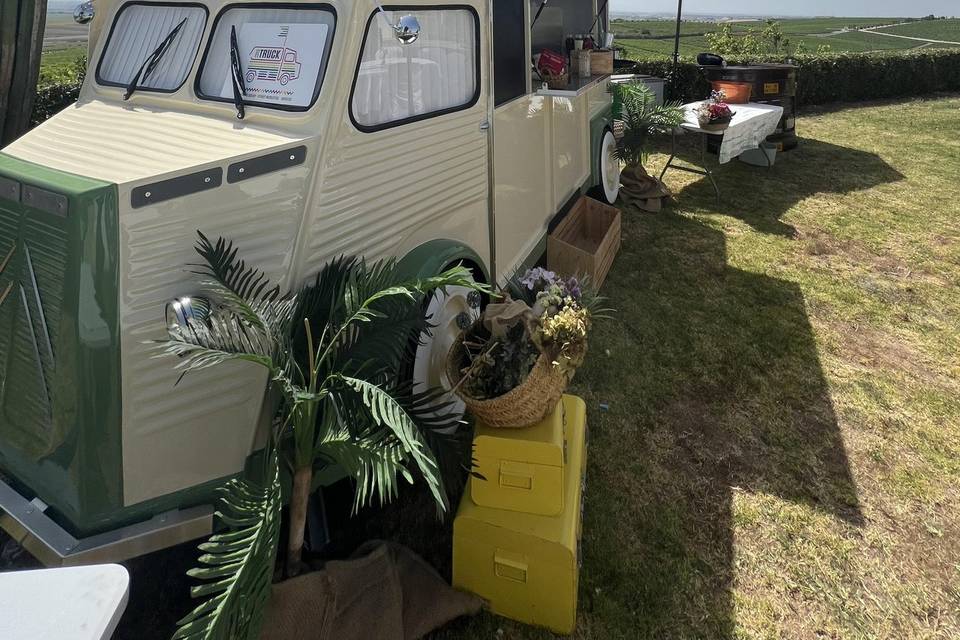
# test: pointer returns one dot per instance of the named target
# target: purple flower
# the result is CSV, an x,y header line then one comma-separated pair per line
x,y
573,288
538,278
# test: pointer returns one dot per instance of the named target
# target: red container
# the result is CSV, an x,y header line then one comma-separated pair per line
x,y
553,62
735,92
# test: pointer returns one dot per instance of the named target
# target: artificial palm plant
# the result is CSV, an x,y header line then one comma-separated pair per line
x,y
643,117
332,351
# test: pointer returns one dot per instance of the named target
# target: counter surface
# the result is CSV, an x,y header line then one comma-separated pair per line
x,y
576,87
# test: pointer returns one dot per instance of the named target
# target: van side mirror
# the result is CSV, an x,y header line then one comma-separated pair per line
x,y
84,13
407,29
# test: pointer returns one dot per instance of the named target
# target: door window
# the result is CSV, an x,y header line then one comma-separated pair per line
x,y
437,74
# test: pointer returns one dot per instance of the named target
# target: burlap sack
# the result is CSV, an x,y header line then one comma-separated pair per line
x,y
636,186
385,591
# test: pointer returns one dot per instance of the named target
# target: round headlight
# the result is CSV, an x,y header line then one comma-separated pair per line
x,y
182,311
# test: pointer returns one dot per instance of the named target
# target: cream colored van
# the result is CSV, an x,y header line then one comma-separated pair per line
x,y
299,130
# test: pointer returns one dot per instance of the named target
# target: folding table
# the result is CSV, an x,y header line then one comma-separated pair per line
x,y
751,124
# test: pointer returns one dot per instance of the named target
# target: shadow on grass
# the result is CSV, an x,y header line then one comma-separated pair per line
x,y
715,387
760,197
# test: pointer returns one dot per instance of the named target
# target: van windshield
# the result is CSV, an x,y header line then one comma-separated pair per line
x,y
283,56
140,31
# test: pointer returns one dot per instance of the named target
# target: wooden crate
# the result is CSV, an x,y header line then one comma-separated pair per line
x,y
586,241
601,62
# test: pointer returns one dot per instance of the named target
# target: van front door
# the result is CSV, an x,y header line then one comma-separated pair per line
x,y
412,165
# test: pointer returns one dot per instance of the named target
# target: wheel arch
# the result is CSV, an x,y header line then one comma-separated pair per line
x,y
434,256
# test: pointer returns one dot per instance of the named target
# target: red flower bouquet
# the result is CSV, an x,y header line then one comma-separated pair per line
x,y
714,114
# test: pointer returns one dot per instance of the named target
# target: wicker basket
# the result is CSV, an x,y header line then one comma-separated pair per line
x,y
522,406
559,81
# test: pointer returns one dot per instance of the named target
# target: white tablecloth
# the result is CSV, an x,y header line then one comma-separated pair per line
x,y
75,603
751,124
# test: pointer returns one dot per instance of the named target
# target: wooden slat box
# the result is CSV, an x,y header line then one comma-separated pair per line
x,y
586,241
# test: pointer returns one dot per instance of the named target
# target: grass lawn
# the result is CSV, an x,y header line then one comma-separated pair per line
x,y
933,29
60,65
781,456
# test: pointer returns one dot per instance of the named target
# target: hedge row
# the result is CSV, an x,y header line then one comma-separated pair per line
x,y
53,98
840,77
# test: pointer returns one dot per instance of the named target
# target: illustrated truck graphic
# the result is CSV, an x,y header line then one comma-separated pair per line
x,y
273,63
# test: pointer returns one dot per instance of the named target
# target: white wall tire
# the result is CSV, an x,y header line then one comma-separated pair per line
x,y
609,167
448,312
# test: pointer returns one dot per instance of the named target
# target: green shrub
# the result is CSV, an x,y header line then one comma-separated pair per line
x,y
57,89
838,77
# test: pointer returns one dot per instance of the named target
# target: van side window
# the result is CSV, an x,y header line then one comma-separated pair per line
x,y
438,73
511,68
136,33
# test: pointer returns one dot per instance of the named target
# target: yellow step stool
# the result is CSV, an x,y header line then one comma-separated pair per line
x,y
522,469
526,566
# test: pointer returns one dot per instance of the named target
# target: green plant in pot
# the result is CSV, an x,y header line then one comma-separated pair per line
x,y
332,351
643,119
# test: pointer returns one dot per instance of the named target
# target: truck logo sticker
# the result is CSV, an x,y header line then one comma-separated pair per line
x,y
274,63
280,62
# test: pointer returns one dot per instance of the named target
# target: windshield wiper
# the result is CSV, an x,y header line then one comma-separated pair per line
x,y
152,61
236,72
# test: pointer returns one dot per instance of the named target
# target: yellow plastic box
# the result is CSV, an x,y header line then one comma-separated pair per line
x,y
525,566
522,469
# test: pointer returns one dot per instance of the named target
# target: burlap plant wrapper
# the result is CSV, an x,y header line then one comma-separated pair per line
x,y
384,592
637,186
500,317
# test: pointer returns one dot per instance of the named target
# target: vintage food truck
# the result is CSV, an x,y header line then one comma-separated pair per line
x,y
418,131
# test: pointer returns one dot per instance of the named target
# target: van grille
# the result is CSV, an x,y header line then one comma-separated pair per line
x,y
34,251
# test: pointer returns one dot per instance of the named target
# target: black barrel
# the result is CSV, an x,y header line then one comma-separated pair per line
x,y
772,84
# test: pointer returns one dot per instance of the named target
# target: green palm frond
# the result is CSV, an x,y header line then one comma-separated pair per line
x,y
374,465
431,412
237,566
246,293
222,264
387,412
642,119
221,338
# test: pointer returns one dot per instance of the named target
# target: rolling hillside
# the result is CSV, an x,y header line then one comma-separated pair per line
x,y
654,38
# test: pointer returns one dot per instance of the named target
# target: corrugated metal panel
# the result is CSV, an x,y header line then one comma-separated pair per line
x,y
180,435
123,144
379,189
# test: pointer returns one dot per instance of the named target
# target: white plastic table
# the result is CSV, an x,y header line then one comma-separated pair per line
x,y
751,124
73,603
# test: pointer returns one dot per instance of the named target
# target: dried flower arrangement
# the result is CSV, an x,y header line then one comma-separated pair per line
x,y
537,330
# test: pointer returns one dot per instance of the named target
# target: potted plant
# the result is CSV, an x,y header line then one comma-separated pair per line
x,y
642,118
331,351
714,114
511,367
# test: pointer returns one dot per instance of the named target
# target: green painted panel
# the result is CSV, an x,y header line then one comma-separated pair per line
x,y
434,255
59,347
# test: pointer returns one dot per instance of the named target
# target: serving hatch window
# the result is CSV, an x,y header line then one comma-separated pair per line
x,y
283,52
142,29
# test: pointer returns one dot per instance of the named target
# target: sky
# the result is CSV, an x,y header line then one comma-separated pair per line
x,y
871,8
